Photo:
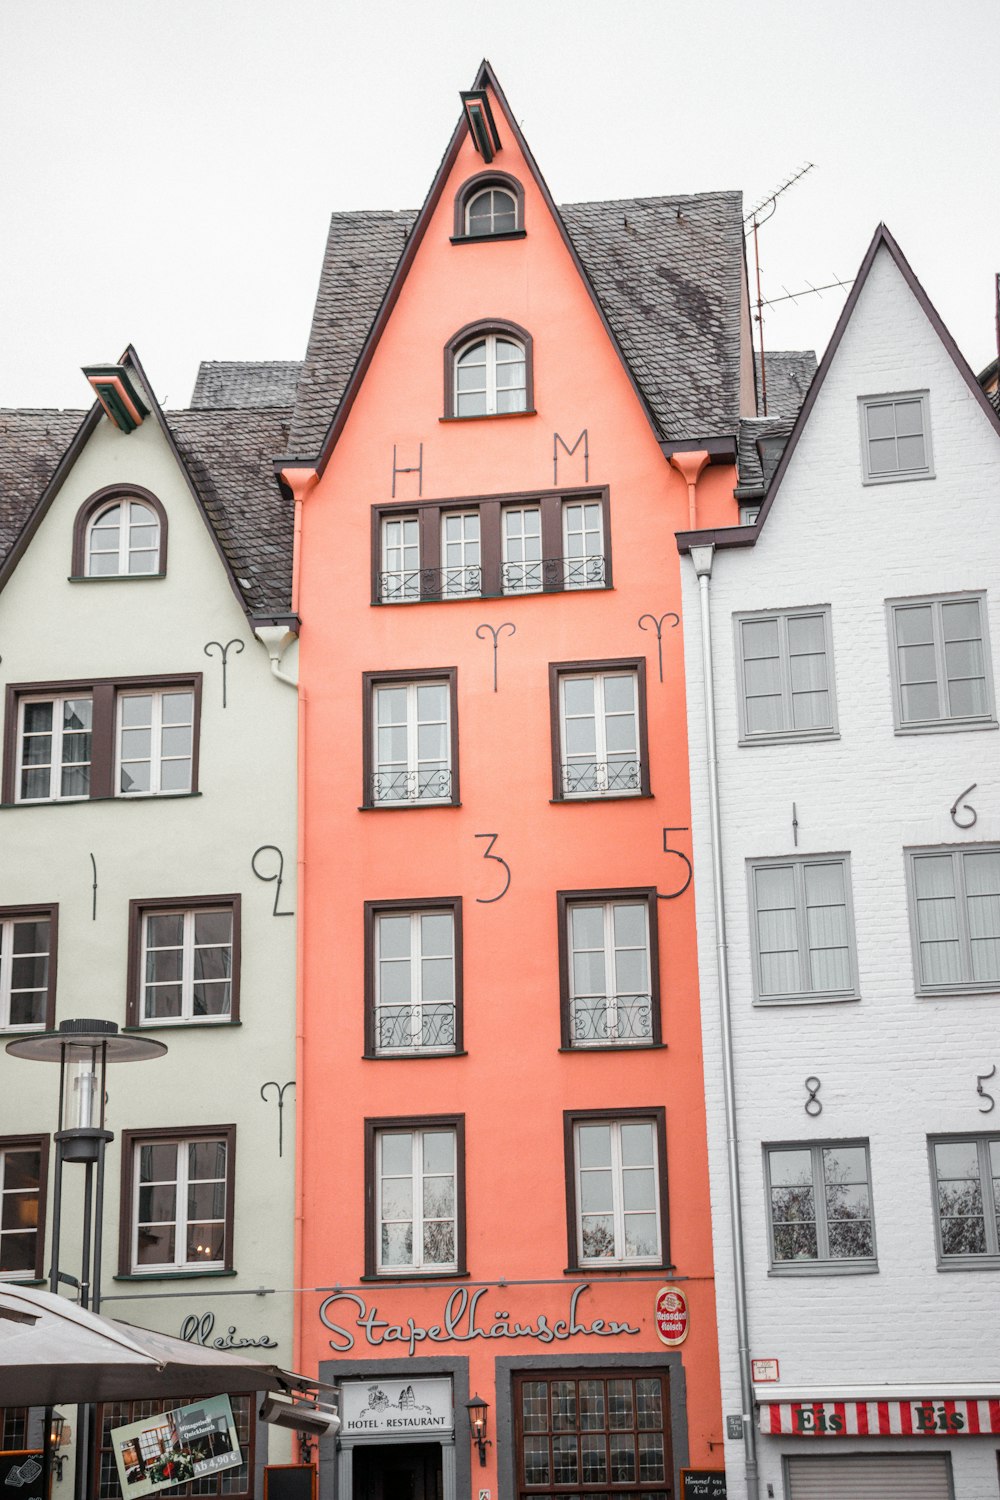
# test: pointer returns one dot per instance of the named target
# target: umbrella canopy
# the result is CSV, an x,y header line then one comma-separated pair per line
x,y
51,1351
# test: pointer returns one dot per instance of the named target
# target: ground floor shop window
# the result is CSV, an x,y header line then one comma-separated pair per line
x,y
13,1428
236,1482
601,1434
890,1476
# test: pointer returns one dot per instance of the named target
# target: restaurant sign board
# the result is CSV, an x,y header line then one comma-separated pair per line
x,y
672,1316
175,1447
396,1408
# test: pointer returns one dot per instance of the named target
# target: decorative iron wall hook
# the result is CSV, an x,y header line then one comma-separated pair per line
x,y
224,654
93,904
965,808
488,900
558,442
281,1087
507,625
278,877
657,625
795,825
982,1078
672,895
813,1106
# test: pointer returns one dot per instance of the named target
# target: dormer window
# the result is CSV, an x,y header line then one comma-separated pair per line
x,y
120,533
489,206
488,371
493,211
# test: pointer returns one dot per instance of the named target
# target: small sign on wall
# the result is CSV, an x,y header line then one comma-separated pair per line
x,y
764,1369
671,1316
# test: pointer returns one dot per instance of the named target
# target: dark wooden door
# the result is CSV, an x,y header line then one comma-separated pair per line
x,y
388,1471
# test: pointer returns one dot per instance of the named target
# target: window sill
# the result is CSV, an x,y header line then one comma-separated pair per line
x,y
608,797
417,1278
625,1267
949,726
492,416
824,1268
181,1025
619,1047
868,479
773,1002
22,1281
168,1275
405,806
115,577
409,1056
970,1263
90,801
790,737
486,239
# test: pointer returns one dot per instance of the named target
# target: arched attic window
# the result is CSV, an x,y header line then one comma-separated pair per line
x,y
120,532
488,371
489,206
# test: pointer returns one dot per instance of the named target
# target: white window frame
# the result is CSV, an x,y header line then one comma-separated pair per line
x,y
805,995
399,585
488,191
602,778
958,854
56,766
125,549
180,1222
458,578
618,1170
7,925
189,915
941,721
418,1265
491,389
415,1046
612,995
749,513
788,732
529,570
587,569
894,398
968,1260
823,1263
412,770
156,756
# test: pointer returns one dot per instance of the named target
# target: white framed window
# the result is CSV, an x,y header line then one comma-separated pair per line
x,y
155,742
617,1189
940,658
123,538
27,959
186,963
22,1207
522,549
802,928
785,661
491,211
600,734
181,1201
54,748
461,570
612,997
955,918
583,544
895,437
415,980
399,581
417,1199
966,1176
749,514
820,1206
412,740
490,376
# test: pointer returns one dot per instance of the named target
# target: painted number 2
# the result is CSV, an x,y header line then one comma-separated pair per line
x,y
487,900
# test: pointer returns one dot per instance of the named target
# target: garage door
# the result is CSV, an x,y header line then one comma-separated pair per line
x,y
903,1476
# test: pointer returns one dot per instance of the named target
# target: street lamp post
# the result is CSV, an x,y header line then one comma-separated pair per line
x,y
83,1049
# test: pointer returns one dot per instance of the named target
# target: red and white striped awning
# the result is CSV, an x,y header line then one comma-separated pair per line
x,y
939,1417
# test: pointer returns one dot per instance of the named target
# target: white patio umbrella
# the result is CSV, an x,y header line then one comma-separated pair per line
x,y
52,1352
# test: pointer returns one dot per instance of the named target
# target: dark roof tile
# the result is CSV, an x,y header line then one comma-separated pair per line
x,y
789,375
229,383
31,445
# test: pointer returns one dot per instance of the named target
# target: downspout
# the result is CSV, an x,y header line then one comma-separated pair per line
x,y
702,559
689,465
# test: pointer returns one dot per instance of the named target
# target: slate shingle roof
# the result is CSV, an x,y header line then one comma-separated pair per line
x,y
668,273
224,384
789,376
756,470
31,445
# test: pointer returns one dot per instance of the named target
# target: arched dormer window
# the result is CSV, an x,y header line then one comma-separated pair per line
x,y
489,206
488,371
120,532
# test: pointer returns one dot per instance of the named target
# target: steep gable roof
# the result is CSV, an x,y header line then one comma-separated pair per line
x,y
31,446
746,536
665,274
224,384
789,375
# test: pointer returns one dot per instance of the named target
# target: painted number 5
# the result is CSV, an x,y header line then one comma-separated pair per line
x,y
672,895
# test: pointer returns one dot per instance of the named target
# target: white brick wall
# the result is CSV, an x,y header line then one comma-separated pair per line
x,y
894,1068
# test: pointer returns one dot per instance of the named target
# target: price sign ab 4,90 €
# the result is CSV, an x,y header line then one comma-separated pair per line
x,y
672,1316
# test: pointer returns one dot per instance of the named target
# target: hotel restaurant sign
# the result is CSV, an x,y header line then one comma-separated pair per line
x,y
395,1408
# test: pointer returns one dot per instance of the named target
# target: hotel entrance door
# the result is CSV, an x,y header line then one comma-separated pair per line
x,y
397,1471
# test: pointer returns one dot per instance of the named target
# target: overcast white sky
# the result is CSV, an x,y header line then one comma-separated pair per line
x,y
169,165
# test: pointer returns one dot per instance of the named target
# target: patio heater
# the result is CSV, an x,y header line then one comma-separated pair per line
x,y
83,1049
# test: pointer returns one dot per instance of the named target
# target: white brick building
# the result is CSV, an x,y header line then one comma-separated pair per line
x,y
856,715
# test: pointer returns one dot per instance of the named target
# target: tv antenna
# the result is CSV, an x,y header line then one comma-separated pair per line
x,y
763,210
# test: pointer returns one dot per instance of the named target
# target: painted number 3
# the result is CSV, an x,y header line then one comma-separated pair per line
x,y
487,900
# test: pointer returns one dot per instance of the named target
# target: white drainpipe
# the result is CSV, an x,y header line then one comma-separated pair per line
x,y
702,559
277,639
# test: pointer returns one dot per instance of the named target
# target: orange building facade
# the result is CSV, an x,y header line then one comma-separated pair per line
x,y
501,1133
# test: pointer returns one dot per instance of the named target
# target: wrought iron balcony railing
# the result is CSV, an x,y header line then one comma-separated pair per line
x,y
411,786
600,1019
596,778
415,1028
546,575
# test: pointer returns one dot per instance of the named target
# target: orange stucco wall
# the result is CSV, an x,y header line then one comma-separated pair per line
x,y
514,1083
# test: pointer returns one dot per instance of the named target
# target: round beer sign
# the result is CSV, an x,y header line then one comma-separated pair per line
x,y
672,1317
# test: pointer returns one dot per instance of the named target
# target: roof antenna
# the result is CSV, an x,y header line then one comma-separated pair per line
x,y
755,218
